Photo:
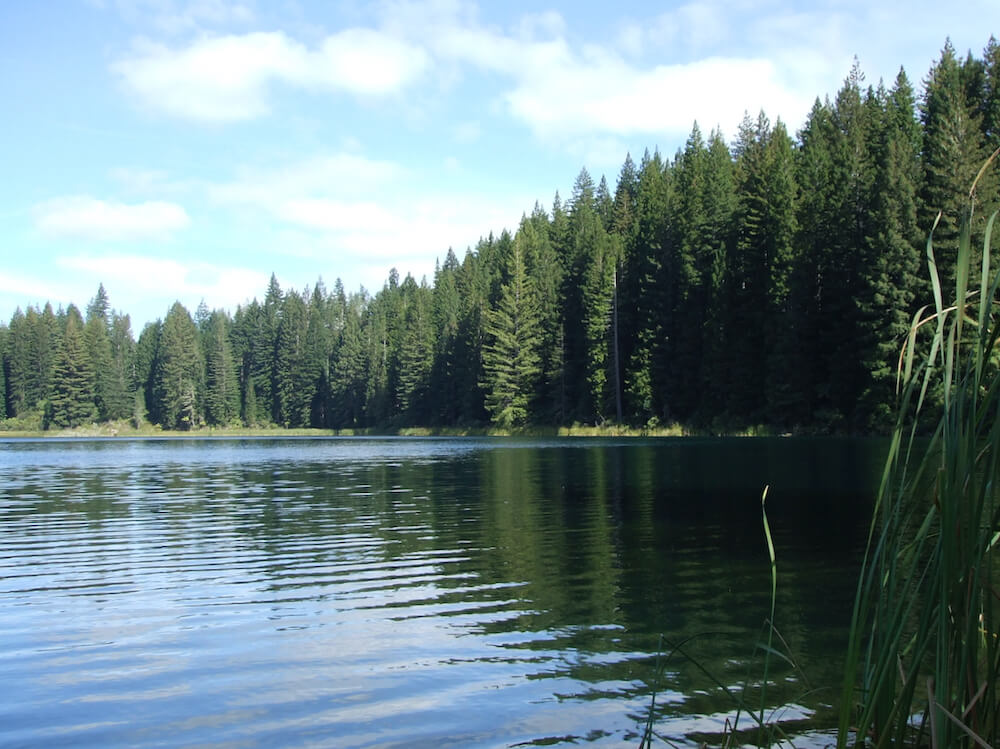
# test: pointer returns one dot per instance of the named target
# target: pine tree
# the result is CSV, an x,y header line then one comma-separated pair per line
x,y
314,374
886,299
121,391
472,282
3,371
178,371
107,387
646,367
17,363
348,376
222,402
719,201
446,308
541,263
292,401
72,402
953,151
511,363
416,354
146,355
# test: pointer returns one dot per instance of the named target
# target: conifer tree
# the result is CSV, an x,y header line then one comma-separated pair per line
x,y
314,375
123,384
541,263
446,312
348,375
511,364
646,367
222,403
292,400
146,354
72,402
178,371
472,282
3,371
106,387
17,362
719,201
886,299
952,153
416,354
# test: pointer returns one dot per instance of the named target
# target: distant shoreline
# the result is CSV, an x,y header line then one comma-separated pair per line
x,y
124,430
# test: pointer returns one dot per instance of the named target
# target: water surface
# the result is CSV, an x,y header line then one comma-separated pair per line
x,y
414,592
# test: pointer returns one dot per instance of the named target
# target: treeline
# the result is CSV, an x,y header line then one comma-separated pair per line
x,y
767,281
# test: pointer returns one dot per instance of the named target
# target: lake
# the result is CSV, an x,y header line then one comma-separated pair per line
x,y
363,592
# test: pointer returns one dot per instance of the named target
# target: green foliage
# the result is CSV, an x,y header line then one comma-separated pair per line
x,y
222,406
511,361
178,371
699,291
72,401
924,632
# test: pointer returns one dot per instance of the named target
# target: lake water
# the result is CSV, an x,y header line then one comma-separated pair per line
x,y
417,592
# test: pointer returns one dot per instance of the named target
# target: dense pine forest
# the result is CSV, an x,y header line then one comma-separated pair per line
x,y
766,281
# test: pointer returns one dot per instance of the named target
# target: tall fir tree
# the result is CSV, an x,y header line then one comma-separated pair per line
x,y
446,309
3,371
222,395
72,402
416,354
511,363
178,371
291,368
952,154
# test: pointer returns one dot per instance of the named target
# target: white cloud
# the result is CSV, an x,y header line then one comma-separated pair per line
x,y
135,280
86,217
227,78
351,213
320,175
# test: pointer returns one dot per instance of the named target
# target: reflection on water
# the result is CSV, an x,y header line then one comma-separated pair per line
x,y
391,592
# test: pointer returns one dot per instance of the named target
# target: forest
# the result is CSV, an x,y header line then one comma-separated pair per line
x,y
765,281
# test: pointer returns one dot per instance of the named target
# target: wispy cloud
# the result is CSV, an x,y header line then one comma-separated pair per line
x,y
228,78
86,217
177,16
563,90
134,278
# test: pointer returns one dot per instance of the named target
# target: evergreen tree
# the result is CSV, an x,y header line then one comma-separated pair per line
x,y
952,153
17,363
472,282
348,370
541,263
716,246
178,371
446,313
222,402
293,400
511,363
886,299
3,371
146,355
416,354
106,386
123,384
646,366
72,402
314,374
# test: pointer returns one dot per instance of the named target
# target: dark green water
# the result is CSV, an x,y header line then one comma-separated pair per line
x,y
415,592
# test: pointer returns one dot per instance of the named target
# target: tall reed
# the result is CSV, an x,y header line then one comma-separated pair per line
x,y
923,662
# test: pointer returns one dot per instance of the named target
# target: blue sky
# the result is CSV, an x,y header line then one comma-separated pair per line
x,y
185,149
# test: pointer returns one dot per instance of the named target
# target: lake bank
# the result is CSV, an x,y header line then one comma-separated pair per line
x,y
124,429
